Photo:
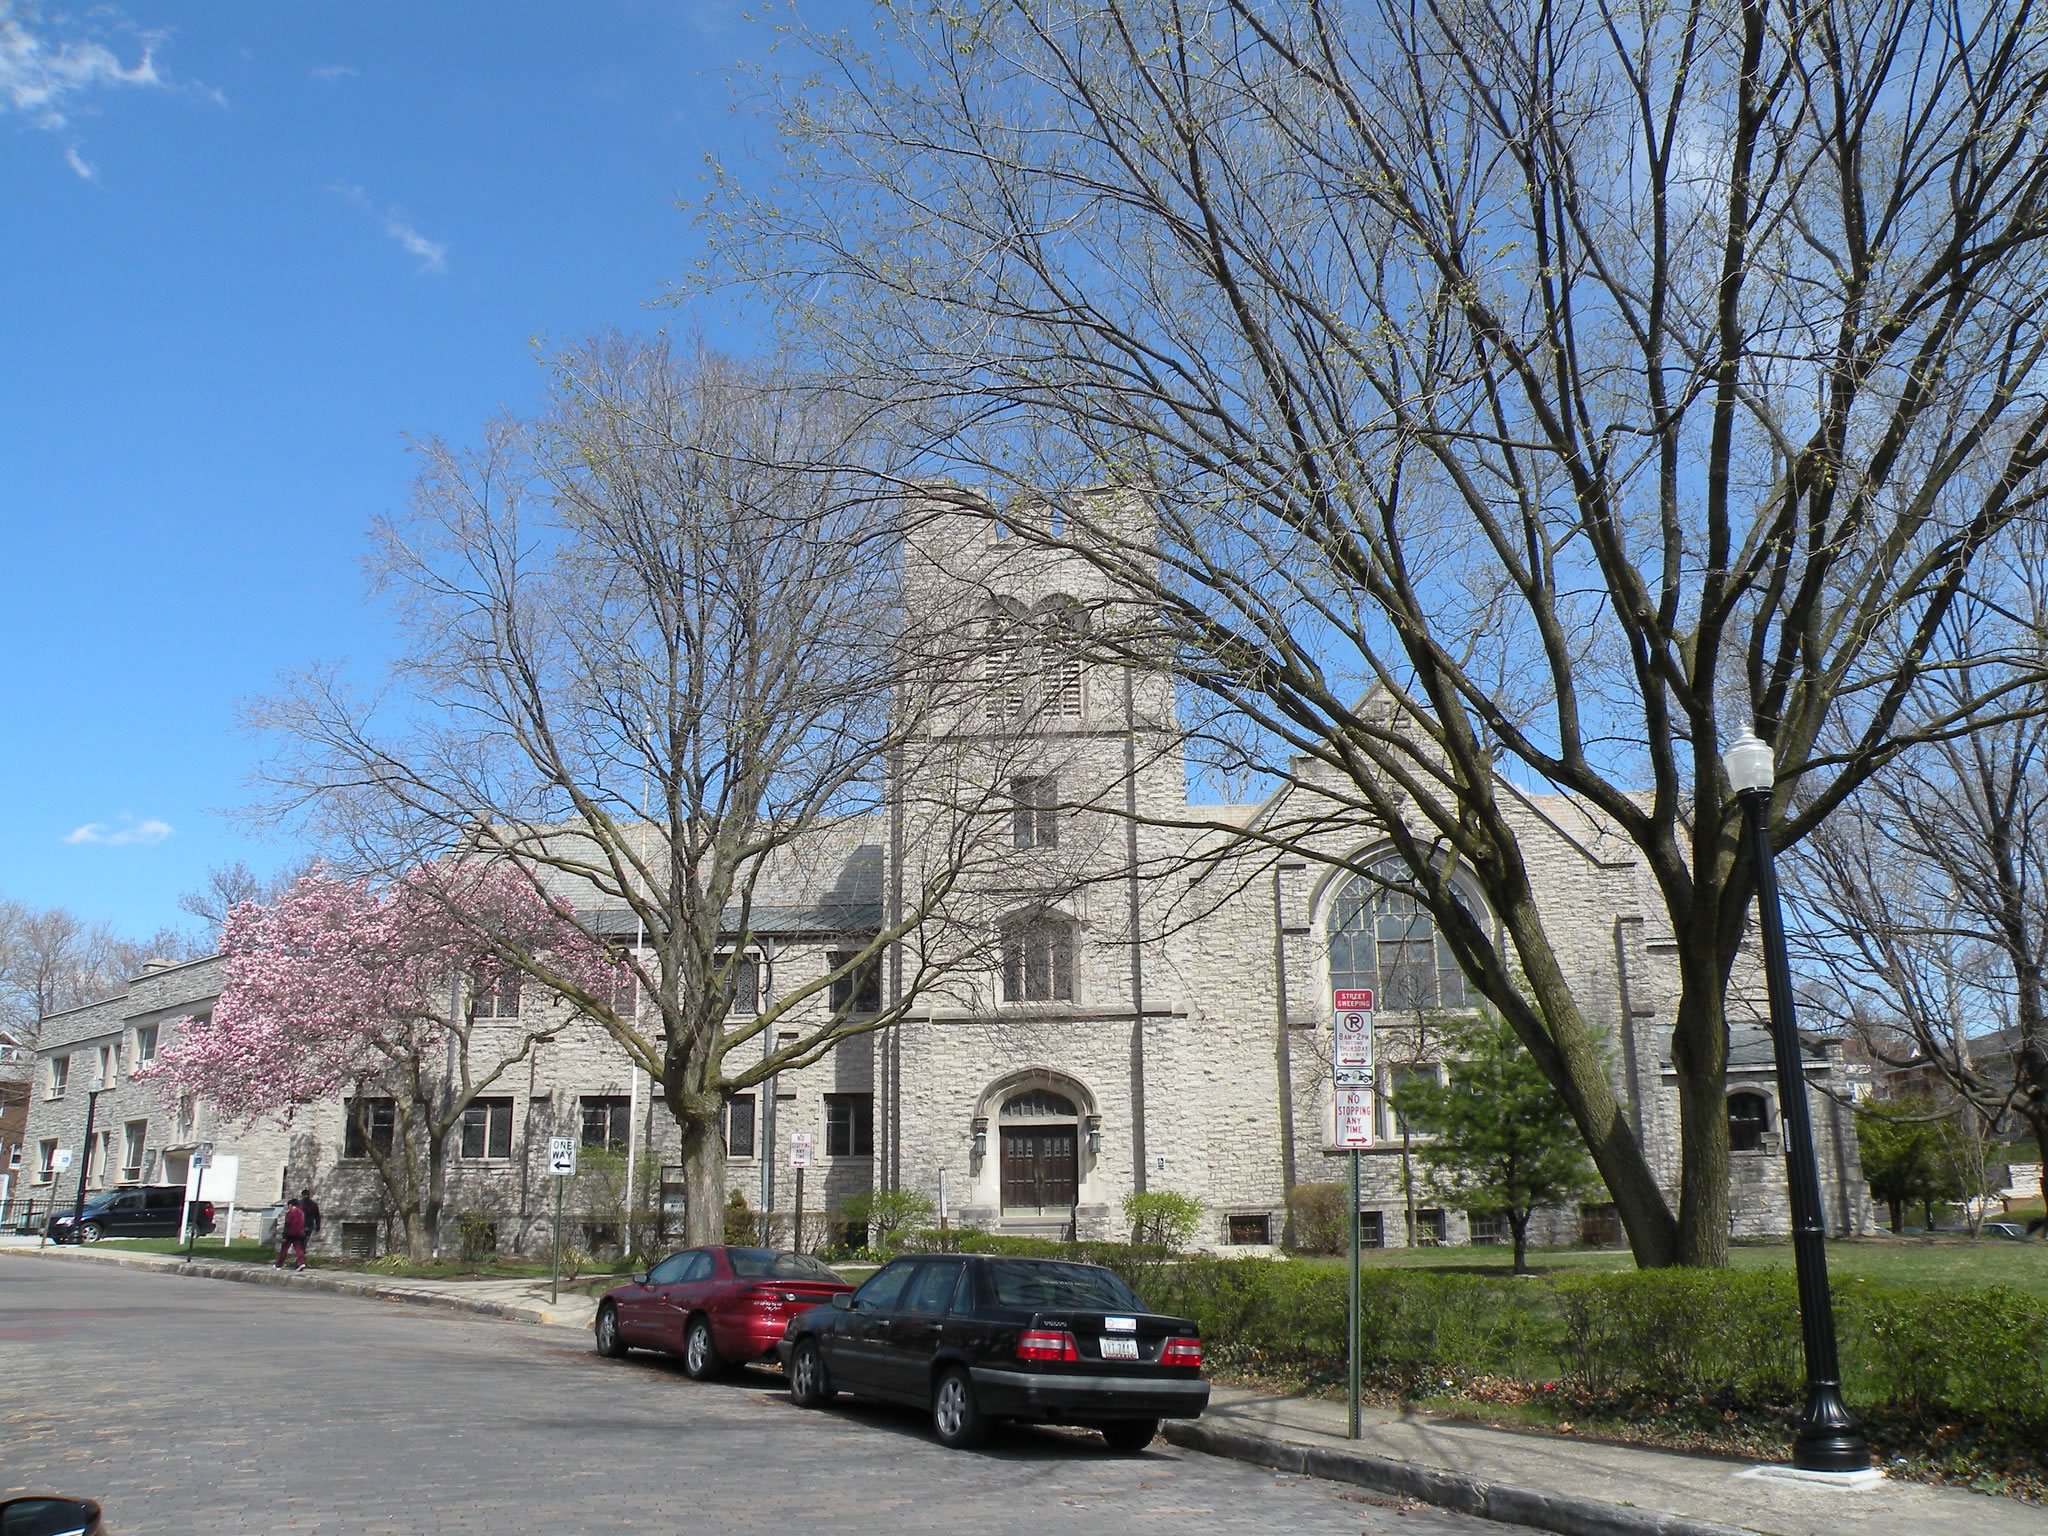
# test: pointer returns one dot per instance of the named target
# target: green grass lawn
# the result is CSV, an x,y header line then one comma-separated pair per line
x,y
1942,1260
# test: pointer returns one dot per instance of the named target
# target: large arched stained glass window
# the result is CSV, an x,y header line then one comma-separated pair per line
x,y
1386,940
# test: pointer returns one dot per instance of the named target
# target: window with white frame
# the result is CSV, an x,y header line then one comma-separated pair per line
x,y
145,1046
59,1077
105,1076
134,1144
1383,938
46,1161
1038,961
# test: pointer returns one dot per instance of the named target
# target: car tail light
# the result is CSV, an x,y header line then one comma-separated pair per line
x,y
767,1301
1045,1344
1181,1352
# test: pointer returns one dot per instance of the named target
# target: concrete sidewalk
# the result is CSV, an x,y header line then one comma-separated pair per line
x,y
521,1300
1579,1487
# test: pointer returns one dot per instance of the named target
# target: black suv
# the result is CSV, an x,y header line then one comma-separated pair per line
x,y
141,1210
974,1338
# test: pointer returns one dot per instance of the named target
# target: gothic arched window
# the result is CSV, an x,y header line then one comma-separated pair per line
x,y
1038,961
1386,940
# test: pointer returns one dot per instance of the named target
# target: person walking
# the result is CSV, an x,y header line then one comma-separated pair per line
x,y
292,1234
312,1209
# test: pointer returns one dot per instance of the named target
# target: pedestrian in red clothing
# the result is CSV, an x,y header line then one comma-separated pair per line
x,y
293,1235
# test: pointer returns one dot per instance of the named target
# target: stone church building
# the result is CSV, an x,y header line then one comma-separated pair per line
x,y
1154,1013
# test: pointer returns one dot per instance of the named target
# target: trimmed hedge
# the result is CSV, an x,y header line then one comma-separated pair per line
x,y
1725,1336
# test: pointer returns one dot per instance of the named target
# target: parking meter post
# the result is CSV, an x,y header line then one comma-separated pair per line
x,y
1351,1309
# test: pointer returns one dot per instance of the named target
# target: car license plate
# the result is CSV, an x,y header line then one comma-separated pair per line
x,y
1119,1349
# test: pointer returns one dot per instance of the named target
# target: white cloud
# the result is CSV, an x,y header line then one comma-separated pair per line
x,y
87,171
431,253
42,75
129,830
333,72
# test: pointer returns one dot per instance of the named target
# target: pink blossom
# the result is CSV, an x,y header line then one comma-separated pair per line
x,y
338,980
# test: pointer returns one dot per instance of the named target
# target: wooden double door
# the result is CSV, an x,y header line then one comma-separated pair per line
x,y
1041,1171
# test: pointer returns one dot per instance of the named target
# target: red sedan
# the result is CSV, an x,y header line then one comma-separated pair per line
x,y
714,1306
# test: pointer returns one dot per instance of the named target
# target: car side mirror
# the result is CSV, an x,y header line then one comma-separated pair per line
x,y
50,1517
842,1301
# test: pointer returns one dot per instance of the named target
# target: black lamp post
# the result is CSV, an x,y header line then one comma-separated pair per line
x,y
92,1104
1829,1439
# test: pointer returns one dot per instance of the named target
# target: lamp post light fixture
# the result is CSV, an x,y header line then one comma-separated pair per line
x,y
1829,1438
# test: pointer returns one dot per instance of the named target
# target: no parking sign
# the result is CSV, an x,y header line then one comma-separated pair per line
x,y
1353,1010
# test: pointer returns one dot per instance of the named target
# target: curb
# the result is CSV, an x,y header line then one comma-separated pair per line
x,y
259,1274
1566,1514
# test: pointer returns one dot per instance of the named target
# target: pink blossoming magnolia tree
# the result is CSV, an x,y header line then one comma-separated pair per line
x,y
373,993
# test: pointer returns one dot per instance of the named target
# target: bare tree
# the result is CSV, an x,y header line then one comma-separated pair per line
x,y
229,885
655,659
51,959
1570,384
1925,895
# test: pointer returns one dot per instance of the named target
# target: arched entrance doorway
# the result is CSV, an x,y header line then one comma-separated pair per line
x,y
1039,1153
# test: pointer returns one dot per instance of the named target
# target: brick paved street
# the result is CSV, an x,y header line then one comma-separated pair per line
x,y
200,1406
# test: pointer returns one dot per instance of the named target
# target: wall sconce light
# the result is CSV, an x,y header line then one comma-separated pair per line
x,y
1094,1123
981,1135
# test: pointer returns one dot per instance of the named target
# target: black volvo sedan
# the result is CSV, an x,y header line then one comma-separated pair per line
x,y
976,1338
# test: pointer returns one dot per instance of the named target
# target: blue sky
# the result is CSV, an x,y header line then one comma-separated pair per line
x,y
247,247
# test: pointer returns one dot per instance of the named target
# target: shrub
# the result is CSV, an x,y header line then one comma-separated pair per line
x,y
1315,1216
1162,1218
479,1235
743,1225
884,1212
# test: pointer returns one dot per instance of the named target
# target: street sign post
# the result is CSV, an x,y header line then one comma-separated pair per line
x,y
800,1143
1351,1083
561,1164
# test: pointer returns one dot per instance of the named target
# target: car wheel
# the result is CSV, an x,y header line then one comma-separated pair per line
x,y
609,1344
701,1360
956,1418
1130,1435
89,1233
810,1385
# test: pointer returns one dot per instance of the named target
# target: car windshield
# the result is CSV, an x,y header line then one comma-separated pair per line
x,y
1045,1283
763,1264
